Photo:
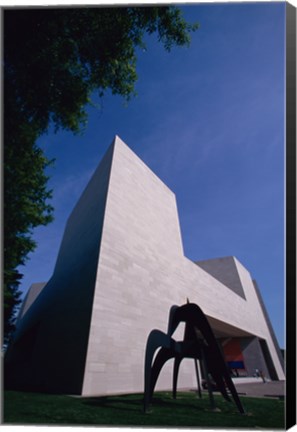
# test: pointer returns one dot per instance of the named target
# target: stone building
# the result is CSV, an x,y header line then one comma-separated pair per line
x,y
120,268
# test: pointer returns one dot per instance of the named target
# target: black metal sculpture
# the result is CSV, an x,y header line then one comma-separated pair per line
x,y
199,343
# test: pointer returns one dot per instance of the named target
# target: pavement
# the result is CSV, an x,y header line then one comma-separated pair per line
x,y
274,389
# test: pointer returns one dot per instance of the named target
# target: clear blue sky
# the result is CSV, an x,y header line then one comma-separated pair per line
x,y
209,121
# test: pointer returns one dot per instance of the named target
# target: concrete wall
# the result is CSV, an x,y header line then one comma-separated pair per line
x,y
57,323
142,271
224,269
32,294
135,286
269,325
253,356
120,268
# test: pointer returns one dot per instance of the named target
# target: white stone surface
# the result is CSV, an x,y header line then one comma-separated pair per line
x,y
120,268
32,294
224,269
141,272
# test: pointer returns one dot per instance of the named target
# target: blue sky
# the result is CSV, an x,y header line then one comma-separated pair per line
x,y
209,121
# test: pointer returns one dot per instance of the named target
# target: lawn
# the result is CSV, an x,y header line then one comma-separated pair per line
x,y
187,410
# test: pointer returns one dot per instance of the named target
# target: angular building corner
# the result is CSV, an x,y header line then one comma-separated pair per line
x,y
120,268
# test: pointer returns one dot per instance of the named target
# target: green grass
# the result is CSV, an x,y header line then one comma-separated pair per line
x,y
187,410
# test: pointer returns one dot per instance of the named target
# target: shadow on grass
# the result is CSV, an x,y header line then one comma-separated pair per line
x,y
115,403
136,405
187,410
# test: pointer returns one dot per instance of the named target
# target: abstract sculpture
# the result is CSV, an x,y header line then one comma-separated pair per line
x,y
199,343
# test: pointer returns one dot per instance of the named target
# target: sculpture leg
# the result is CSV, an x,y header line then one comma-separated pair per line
x,y
155,340
233,391
221,373
215,367
177,362
219,365
161,358
209,385
197,377
194,315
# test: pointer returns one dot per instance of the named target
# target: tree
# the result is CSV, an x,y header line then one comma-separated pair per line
x,y
54,59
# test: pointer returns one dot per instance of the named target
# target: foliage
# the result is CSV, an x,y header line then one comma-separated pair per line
x,y
53,60
25,203
127,410
59,56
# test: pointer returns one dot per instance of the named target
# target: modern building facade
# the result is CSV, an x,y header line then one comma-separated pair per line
x,y
120,268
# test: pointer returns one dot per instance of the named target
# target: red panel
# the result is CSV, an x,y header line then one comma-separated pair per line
x,y
232,350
